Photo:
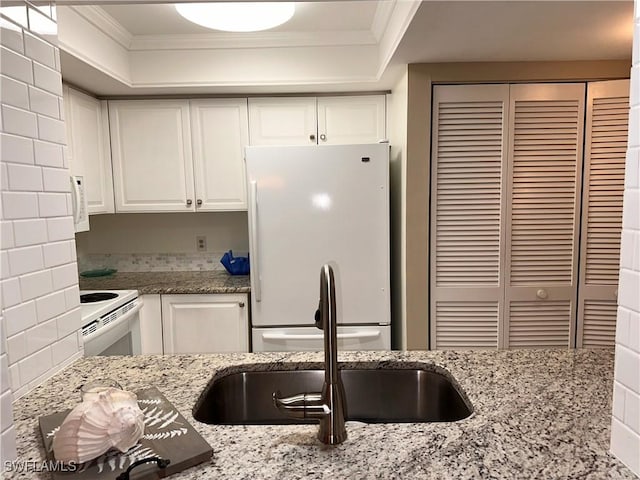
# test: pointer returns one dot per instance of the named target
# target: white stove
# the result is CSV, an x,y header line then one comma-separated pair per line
x,y
110,322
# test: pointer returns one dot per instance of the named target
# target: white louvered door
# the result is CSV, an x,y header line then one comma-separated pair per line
x,y
605,152
469,134
543,201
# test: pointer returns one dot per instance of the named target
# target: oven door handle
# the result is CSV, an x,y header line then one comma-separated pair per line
x,y
116,322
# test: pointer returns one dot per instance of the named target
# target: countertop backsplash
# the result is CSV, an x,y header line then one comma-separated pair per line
x,y
153,262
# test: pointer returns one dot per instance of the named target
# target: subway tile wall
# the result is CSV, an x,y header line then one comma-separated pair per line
x,y
625,426
40,315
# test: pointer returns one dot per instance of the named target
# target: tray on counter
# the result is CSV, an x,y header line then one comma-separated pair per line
x,y
167,435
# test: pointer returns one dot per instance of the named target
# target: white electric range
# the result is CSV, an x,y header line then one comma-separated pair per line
x,y
110,322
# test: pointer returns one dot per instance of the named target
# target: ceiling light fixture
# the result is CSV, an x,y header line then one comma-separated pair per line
x,y
237,16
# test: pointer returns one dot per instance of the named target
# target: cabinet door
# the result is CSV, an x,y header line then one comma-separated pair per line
x,y
282,121
604,164
543,209
220,133
152,160
151,325
470,125
88,148
204,323
346,120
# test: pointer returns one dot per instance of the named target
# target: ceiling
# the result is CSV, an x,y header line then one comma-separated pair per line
x,y
359,44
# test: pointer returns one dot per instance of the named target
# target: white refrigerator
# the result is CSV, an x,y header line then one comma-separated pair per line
x,y
311,205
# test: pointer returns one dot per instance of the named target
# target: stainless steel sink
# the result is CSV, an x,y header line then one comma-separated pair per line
x,y
375,393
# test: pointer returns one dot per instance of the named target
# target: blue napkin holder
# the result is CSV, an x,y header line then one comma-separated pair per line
x,y
235,265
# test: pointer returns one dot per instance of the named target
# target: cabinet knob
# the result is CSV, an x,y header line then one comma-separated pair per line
x,y
323,137
312,137
189,202
241,304
199,202
542,294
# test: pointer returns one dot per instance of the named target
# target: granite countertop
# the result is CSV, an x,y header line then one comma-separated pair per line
x,y
214,281
538,414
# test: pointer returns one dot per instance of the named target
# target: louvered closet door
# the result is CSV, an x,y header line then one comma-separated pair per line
x,y
468,137
544,168
605,153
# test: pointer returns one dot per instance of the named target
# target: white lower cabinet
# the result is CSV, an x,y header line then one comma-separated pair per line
x,y
205,323
151,325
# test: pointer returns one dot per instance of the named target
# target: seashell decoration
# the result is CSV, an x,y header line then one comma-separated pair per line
x,y
112,418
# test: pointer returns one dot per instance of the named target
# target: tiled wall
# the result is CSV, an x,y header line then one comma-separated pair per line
x,y
154,262
625,427
39,282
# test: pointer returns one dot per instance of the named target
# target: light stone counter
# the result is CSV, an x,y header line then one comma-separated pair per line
x,y
538,415
214,281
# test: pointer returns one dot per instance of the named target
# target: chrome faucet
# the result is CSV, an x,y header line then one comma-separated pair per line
x,y
329,405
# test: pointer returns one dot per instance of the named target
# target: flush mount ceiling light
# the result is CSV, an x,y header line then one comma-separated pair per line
x,y
237,16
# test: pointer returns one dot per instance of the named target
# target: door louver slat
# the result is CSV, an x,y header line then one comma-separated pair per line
x,y
544,182
467,324
468,175
537,324
606,158
599,323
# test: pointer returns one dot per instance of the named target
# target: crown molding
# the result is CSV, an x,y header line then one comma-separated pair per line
x,y
399,21
381,19
105,23
252,40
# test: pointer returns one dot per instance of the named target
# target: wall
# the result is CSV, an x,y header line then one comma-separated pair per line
x,y
625,425
421,79
397,122
40,300
161,241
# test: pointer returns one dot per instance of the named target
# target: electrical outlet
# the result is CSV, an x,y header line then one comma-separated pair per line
x,y
201,243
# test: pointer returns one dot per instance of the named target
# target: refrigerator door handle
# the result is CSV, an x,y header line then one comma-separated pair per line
x,y
253,243
293,336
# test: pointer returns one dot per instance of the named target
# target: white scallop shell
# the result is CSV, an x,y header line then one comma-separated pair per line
x,y
110,419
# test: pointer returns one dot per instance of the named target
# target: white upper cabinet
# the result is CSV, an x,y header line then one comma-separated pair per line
x,y
88,149
220,133
322,120
151,153
351,119
283,121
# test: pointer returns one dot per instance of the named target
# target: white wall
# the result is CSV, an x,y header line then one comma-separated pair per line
x,y
625,426
397,122
39,281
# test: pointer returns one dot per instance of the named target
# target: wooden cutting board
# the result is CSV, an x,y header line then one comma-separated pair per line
x,y
166,434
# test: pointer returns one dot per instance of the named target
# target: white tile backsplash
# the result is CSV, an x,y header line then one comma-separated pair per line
x,y
35,365
51,129
10,37
16,149
26,260
59,253
60,228
16,66
39,50
69,323
30,232
36,284
47,78
11,294
6,235
625,426
43,102
64,276
20,318
16,205
51,305
48,154
19,122
14,92
41,336
52,204
65,348
56,179
24,177
17,347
